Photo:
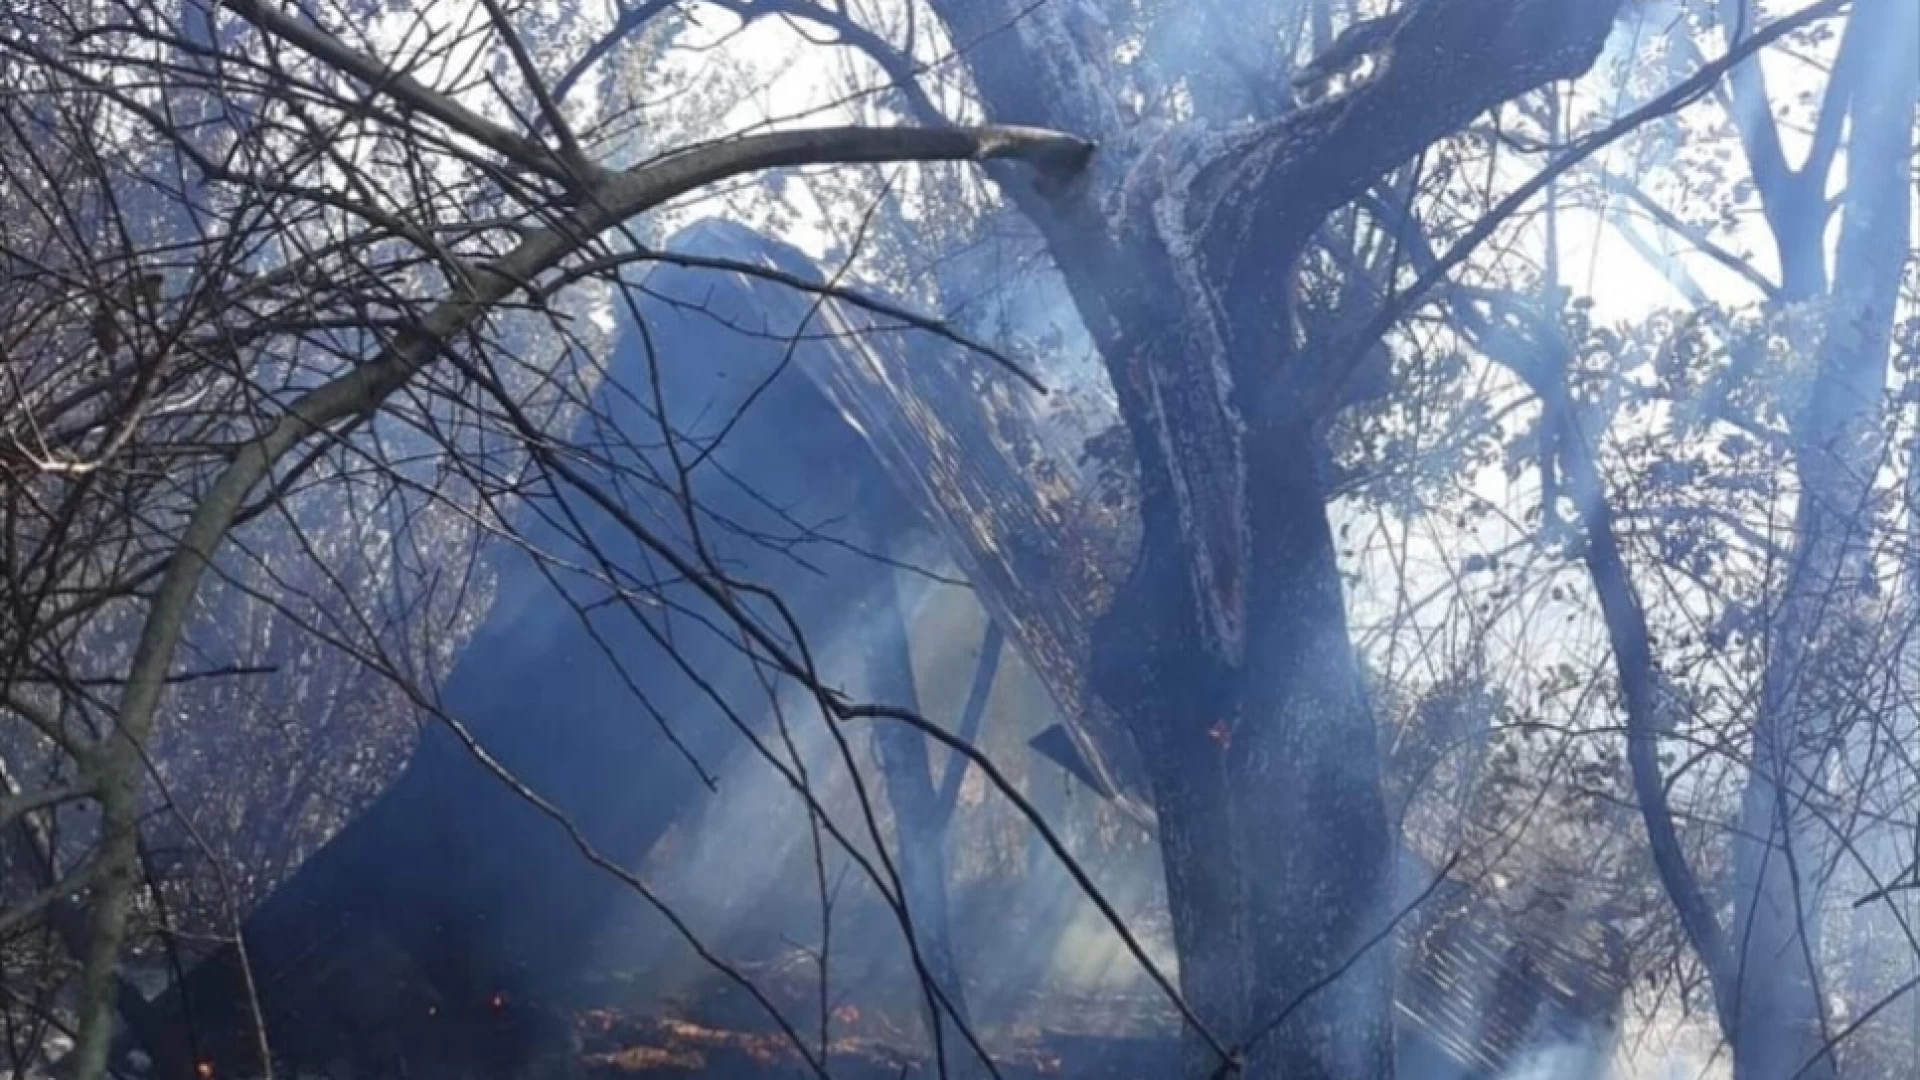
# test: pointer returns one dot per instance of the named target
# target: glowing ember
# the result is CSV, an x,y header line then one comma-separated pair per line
x,y
499,1001
647,1058
203,1070
620,1045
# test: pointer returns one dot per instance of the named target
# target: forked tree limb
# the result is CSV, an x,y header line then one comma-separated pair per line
x,y
1437,270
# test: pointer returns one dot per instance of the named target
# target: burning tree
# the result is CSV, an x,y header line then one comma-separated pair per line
x,y
347,271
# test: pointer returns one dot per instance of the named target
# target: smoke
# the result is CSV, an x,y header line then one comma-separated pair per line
x,y
744,868
1582,1059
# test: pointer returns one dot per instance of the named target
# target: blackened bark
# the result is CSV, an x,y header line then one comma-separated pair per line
x,y
1148,662
1265,781
1316,842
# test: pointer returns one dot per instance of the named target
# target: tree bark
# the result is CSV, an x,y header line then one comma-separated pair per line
x,y
1226,651
1781,850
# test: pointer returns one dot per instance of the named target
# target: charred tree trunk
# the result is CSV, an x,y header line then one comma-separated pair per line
x,y
1227,651
1265,782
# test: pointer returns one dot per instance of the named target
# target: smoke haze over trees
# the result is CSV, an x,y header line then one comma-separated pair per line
x,y
1281,539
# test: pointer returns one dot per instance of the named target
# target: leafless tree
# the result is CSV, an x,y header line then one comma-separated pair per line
x,y
249,257
338,284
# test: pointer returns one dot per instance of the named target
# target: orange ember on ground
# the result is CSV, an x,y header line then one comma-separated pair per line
x,y
643,1058
866,1044
765,1049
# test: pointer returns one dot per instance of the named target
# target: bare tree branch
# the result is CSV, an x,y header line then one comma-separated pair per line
x,y
364,388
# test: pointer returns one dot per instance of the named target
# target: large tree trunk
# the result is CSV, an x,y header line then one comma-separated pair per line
x,y
1227,651
1783,852
1266,786
1310,773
